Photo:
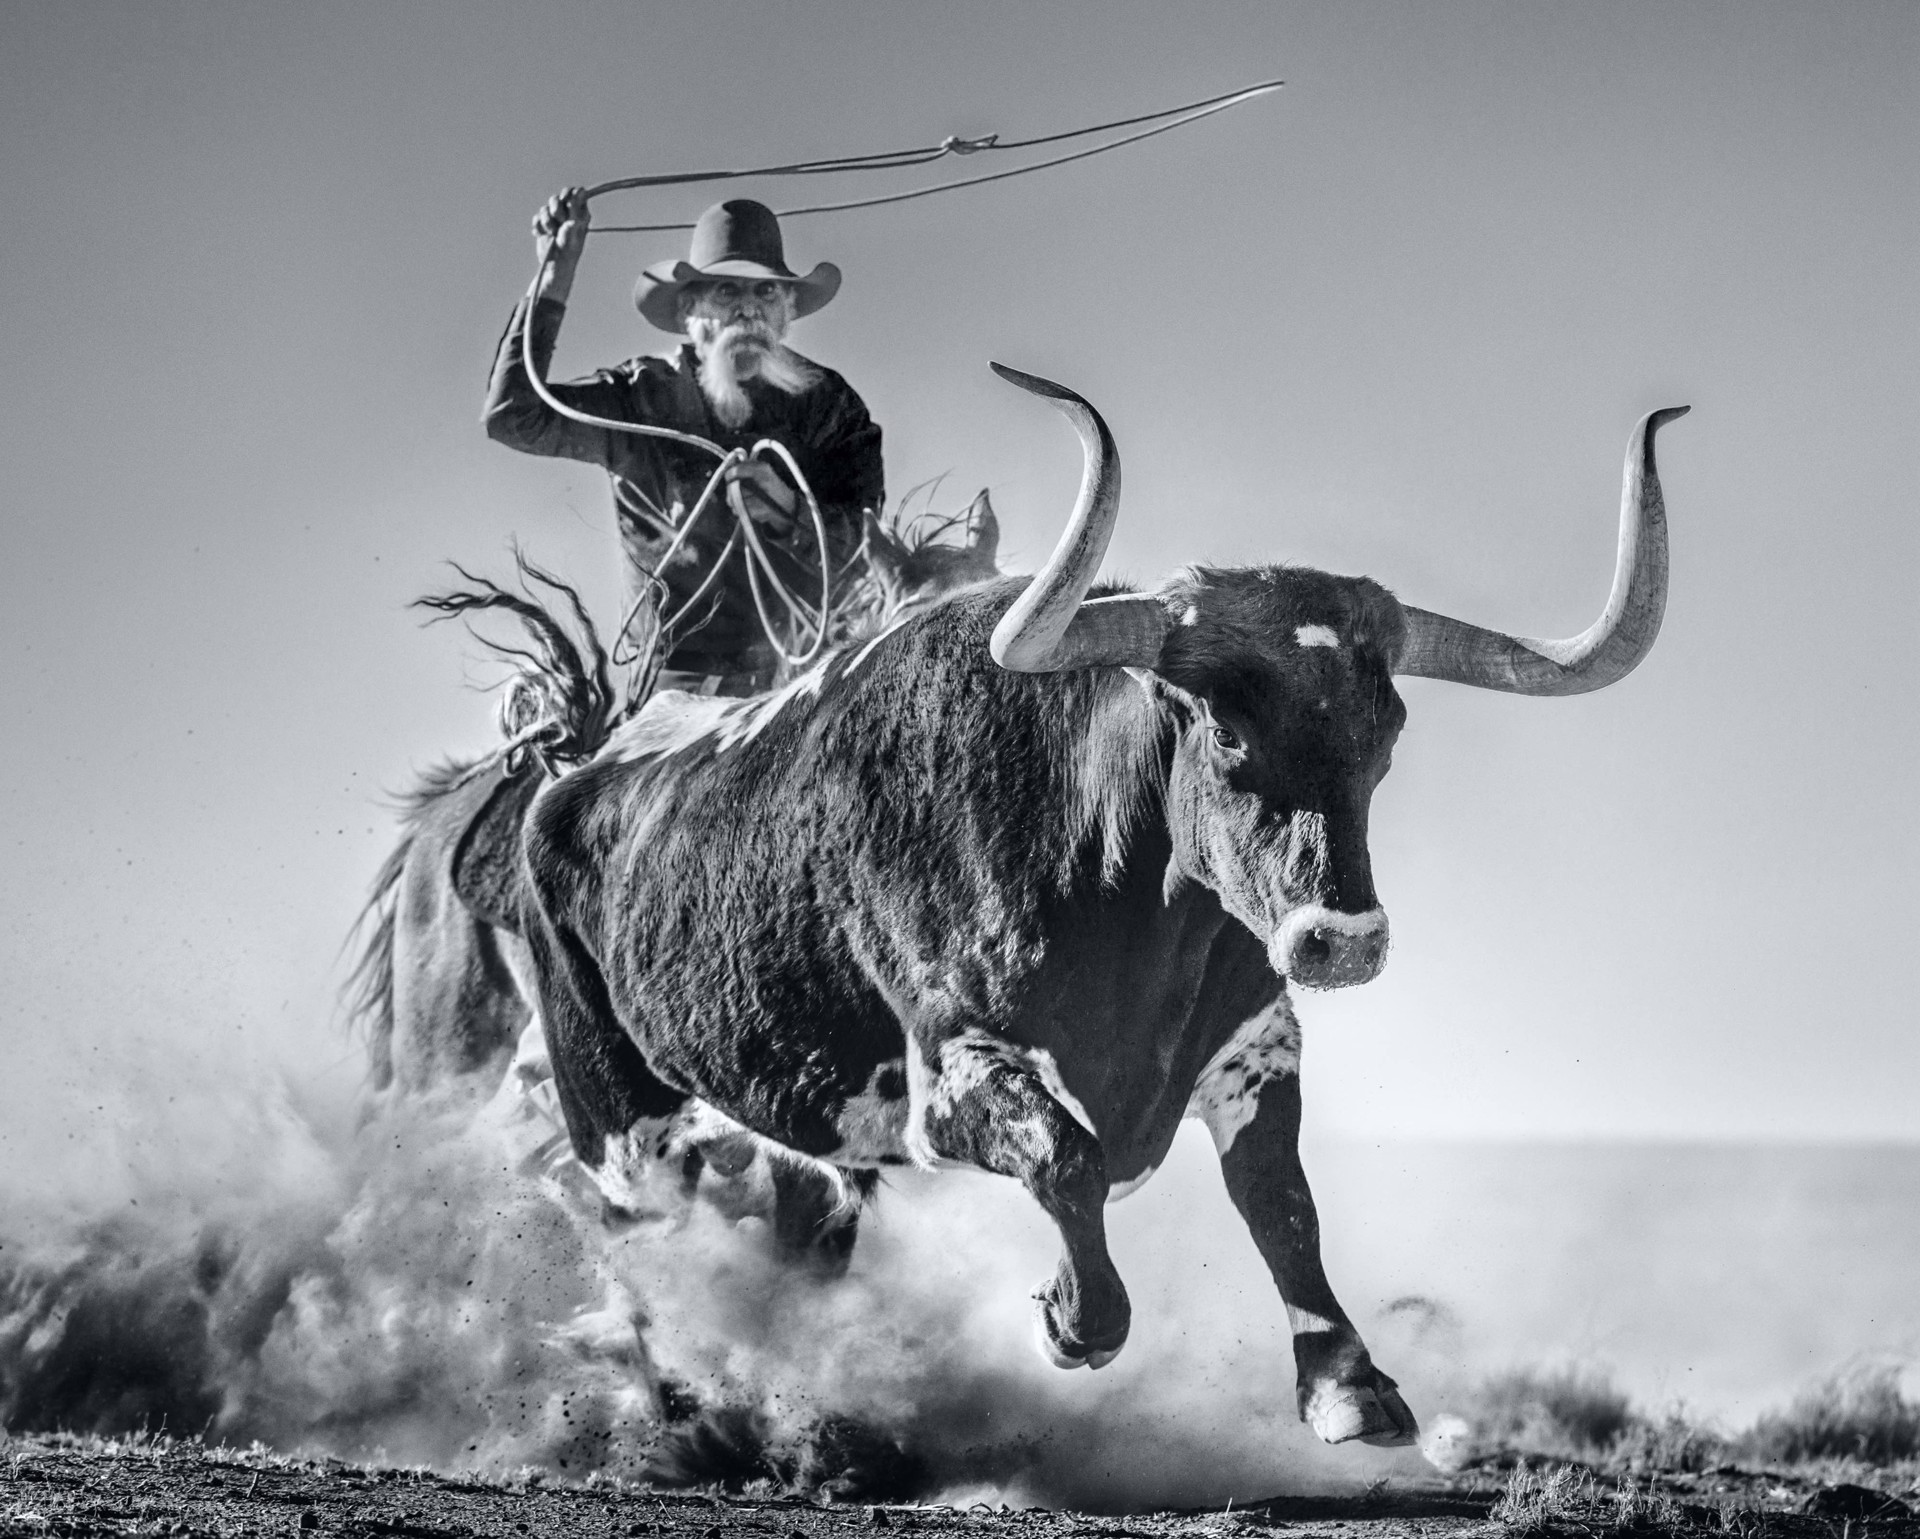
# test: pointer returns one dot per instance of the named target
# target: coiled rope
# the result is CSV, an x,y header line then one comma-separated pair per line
x,y
811,623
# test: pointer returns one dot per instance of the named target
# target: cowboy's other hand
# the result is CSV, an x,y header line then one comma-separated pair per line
x,y
768,498
560,228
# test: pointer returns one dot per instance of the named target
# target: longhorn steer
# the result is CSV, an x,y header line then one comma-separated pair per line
x,y
1020,884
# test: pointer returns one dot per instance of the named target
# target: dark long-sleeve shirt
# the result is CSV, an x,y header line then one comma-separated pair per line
x,y
655,481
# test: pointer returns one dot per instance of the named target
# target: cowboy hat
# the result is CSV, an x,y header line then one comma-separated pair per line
x,y
735,239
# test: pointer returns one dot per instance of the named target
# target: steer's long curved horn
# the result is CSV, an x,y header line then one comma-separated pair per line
x,y
1053,625
1607,650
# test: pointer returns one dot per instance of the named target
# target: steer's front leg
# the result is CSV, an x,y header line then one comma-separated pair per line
x,y
979,1101
1249,1098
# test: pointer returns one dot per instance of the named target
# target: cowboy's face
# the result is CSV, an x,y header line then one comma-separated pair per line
x,y
737,326
758,307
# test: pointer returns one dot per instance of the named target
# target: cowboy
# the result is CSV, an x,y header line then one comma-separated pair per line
x,y
733,383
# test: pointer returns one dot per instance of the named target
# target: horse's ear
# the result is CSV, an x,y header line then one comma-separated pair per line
x,y
983,528
885,555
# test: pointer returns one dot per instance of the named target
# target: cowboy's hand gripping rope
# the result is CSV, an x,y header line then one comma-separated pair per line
x,y
561,229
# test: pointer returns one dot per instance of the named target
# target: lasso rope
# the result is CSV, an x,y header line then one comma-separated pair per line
x,y
806,618
953,144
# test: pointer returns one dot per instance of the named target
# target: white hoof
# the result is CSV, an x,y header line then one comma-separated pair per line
x,y
1342,1413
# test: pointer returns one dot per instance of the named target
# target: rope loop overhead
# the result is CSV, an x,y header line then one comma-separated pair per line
x,y
1163,121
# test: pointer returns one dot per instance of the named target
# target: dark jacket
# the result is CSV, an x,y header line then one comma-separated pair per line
x,y
827,430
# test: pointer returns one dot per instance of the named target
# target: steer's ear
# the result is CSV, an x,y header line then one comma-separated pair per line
x,y
1161,688
983,528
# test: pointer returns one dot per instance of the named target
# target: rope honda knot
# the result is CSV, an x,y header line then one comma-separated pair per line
x,y
953,144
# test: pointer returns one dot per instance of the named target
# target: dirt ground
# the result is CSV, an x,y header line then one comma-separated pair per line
x,y
54,1485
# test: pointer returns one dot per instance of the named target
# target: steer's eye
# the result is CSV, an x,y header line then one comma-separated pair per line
x,y
1225,737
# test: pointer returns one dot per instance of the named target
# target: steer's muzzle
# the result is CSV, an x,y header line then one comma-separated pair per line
x,y
1319,948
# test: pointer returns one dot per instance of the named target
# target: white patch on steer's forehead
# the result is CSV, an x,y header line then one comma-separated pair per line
x,y
1191,616
1226,1097
1316,636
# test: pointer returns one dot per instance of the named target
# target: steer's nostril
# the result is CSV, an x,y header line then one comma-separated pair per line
x,y
1314,947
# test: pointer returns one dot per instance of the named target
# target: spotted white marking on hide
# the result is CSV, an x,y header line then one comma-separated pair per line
x,y
1227,1095
966,1061
635,1174
702,1126
641,1170
673,719
873,1126
670,721
1316,636
752,716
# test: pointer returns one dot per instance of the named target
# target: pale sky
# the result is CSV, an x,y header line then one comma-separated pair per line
x,y
1397,320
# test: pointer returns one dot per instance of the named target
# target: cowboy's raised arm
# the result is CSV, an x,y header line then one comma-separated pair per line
x,y
514,414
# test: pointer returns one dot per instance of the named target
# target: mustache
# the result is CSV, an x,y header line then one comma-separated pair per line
x,y
742,326
758,333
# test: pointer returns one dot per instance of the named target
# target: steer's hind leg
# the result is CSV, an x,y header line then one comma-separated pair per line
x,y
1249,1098
977,1102
617,1110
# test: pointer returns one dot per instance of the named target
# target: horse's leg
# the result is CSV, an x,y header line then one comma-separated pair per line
x,y
457,1010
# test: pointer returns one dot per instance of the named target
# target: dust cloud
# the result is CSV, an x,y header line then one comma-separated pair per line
x,y
213,1254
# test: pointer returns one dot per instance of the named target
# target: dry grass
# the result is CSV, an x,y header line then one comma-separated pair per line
x,y
1568,1497
1669,1443
1858,1418
1857,1414
1566,1413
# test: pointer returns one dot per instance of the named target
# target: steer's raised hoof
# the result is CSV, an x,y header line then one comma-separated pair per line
x,y
1062,1350
1370,1413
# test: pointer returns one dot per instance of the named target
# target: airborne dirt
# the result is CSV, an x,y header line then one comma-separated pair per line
x,y
60,1485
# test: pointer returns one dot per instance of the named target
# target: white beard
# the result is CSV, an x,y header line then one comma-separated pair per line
x,y
731,354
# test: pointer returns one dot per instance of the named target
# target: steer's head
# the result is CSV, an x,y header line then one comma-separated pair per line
x,y
1282,679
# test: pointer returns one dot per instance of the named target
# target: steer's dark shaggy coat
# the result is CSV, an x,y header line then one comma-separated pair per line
x,y
918,907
